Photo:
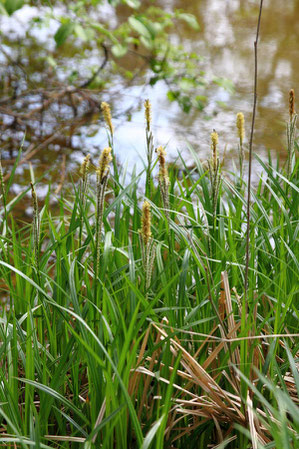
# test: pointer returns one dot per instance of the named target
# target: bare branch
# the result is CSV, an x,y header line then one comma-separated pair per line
x,y
250,154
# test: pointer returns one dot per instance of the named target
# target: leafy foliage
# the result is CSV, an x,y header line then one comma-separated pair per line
x,y
143,34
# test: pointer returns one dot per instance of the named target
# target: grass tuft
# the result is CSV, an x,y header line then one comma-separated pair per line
x,y
123,323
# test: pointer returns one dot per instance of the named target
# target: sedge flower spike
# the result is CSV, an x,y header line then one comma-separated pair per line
x,y
85,166
291,133
148,114
214,170
34,199
163,178
147,244
240,127
291,103
214,139
102,180
146,222
107,116
163,172
214,143
104,161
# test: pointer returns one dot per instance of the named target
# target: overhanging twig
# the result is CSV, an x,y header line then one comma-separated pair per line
x,y
250,154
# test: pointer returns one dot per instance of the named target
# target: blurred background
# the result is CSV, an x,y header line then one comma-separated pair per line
x,y
192,59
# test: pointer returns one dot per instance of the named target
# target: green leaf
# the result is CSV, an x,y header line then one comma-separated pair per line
x,y
101,29
3,10
139,27
63,33
151,433
185,103
132,3
56,395
12,5
187,84
225,83
119,50
80,32
113,2
190,19
51,61
148,43
172,96
102,424
200,102
201,98
222,104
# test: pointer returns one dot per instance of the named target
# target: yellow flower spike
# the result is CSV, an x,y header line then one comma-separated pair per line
x,y
148,114
163,172
214,140
104,161
240,126
163,179
107,116
85,166
146,222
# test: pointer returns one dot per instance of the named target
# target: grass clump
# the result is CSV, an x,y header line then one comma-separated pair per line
x,y
123,323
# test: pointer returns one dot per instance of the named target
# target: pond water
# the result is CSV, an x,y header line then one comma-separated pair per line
x,y
225,40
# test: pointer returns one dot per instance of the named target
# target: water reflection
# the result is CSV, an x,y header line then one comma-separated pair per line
x,y
226,42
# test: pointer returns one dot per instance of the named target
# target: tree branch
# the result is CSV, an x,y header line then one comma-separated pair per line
x,y
93,77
